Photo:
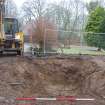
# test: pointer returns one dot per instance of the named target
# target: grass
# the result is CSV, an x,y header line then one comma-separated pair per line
x,y
82,50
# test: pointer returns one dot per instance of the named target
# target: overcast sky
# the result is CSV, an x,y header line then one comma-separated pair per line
x,y
19,2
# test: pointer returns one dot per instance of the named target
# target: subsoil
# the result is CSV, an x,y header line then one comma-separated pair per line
x,y
80,76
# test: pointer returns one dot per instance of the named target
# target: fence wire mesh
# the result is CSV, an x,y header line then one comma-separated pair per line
x,y
73,42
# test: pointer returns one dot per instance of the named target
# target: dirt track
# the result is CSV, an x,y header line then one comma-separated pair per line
x,y
80,76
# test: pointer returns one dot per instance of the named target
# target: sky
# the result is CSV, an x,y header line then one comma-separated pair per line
x,y
20,2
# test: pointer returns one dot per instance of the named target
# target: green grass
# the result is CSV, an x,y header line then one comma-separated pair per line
x,y
79,50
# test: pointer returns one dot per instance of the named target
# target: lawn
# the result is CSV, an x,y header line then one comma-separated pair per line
x,y
82,50
75,50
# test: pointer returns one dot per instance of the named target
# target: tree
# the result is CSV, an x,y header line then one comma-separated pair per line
x,y
92,6
10,9
41,36
96,25
69,16
66,14
34,13
33,9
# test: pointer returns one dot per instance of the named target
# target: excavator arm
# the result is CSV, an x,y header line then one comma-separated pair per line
x,y
2,12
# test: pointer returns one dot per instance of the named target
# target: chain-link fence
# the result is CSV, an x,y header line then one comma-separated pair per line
x,y
73,42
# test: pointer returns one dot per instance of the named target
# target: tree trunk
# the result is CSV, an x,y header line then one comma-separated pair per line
x,y
41,45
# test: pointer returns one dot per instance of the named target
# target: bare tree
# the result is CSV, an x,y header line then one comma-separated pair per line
x,y
33,9
10,9
92,5
68,15
41,36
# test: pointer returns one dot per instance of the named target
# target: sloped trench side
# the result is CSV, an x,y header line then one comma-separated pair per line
x,y
21,77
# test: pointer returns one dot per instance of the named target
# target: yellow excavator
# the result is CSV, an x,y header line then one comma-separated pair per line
x,y
11,40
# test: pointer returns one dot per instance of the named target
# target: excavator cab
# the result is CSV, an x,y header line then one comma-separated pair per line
x,y
10,27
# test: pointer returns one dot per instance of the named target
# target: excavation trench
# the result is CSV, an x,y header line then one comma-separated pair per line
x,y
77,76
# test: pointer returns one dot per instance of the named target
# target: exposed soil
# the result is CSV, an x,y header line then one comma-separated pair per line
x,y
81,76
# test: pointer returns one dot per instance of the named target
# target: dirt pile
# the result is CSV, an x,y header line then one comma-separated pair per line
x,y
78,76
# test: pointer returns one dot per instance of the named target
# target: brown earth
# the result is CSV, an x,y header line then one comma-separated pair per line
x,y
80,76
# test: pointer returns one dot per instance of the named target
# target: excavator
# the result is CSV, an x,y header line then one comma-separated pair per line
x,y
11,40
